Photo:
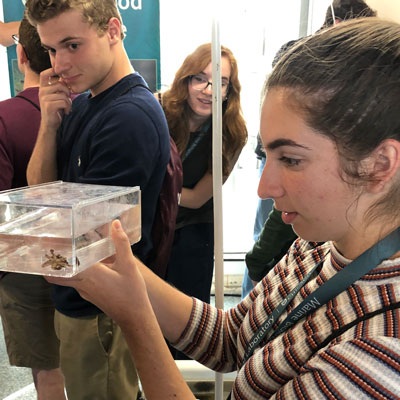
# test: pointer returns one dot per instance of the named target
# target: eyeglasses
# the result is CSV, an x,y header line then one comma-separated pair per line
x,y
17,41
200,83
15,38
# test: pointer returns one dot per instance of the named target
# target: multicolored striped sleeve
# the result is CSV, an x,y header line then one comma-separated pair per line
x,y
211,335
365,368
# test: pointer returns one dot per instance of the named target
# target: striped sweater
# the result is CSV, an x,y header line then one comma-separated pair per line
x,y
364,362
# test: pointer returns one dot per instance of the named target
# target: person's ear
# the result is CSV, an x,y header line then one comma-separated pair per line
x,y
21,55
114,30
22,59
384,164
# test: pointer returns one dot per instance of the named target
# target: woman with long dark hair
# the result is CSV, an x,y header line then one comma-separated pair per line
x,y
324,322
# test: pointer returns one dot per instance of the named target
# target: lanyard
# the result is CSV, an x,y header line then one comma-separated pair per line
x,y
330,289
267,325
204,129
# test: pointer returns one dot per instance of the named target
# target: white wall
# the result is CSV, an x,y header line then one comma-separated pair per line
x,y
387,9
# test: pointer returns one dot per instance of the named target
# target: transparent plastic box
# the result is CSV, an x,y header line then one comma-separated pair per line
x,y
61,228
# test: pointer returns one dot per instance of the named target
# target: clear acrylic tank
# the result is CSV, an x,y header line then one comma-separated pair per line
x,y
61,228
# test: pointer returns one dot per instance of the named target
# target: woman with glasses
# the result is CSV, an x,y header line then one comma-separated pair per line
x,y
188,108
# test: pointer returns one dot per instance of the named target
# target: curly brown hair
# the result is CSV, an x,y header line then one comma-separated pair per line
x,y
177,110
96,12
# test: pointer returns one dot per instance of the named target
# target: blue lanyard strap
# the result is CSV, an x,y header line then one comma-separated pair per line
x,y
203,131
267,325
367,261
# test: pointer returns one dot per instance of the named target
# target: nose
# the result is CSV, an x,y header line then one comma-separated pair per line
x,y
270,185
60,63
208,88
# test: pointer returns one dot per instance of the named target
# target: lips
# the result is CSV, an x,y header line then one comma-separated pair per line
x,y
288,217
70,79
204,101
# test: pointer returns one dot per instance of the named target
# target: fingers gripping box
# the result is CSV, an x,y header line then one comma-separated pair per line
x,y
61,228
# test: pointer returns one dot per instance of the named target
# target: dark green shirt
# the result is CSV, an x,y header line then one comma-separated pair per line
x,y
272,244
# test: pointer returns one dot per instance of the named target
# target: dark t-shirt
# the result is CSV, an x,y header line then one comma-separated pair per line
x,y
195,165
119,137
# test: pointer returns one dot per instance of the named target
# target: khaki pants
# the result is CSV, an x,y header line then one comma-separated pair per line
x,y
27,313
95,359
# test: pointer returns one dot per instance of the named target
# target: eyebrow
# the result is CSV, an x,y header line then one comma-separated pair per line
x,y
67,39
222,77
284,142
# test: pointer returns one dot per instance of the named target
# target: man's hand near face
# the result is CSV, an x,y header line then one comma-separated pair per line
x,y
55,100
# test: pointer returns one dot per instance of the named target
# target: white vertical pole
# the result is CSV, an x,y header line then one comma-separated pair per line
x,y
217,182
304,25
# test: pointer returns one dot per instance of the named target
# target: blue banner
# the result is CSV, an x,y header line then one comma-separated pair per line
x,y
141,19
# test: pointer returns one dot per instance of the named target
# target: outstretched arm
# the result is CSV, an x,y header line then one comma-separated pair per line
x,y
136,298
7,29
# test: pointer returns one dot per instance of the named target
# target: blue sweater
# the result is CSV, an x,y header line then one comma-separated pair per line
x,y
119,137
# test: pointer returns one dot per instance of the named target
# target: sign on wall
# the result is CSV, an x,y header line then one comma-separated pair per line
x,y
141,19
